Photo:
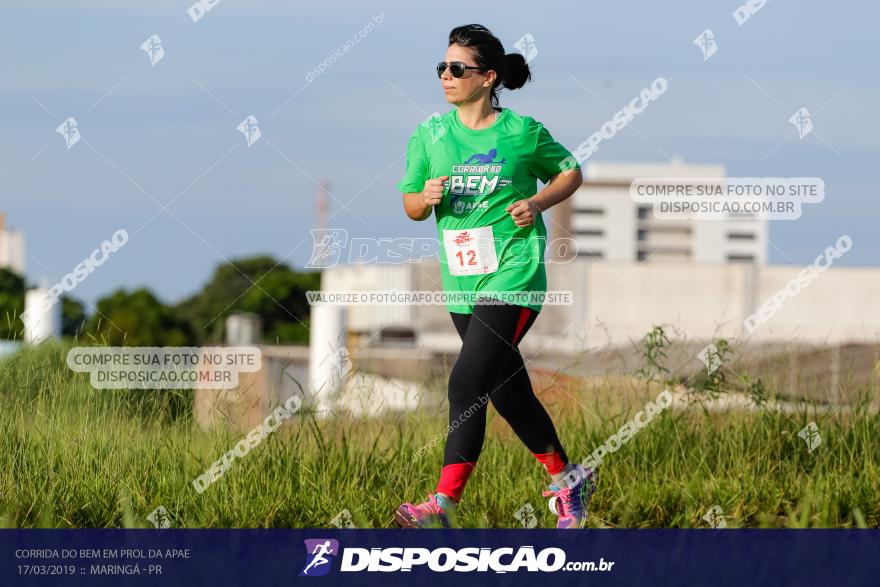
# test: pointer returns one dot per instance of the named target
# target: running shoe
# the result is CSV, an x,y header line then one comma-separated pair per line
x,y
429,514
570,503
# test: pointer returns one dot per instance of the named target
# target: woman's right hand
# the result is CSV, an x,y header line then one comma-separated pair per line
x,y
433,192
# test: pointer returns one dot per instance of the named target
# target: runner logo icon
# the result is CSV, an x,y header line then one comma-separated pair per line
x,y
318,552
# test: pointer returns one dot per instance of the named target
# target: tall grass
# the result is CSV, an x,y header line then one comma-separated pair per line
x,y
72,456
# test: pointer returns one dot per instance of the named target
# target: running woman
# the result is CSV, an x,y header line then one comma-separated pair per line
x,y
476,168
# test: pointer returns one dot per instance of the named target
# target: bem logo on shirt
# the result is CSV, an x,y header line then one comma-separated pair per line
x,y
478,176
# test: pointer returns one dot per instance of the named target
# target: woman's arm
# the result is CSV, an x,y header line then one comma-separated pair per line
x,y
561,186
417,205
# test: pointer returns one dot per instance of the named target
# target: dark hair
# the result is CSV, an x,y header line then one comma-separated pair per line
x,y
512,69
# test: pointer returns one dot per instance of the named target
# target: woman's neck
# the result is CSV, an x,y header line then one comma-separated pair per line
x,y
476,115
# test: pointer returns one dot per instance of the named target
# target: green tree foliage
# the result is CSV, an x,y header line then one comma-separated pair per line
x,y
73,316
11,304
137,318
259,285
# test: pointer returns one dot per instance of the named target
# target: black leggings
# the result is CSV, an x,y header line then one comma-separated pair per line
x,y
490,364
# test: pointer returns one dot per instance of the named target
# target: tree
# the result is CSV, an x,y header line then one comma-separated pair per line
x,y
73,316
280,299
259,285
137,319
11,304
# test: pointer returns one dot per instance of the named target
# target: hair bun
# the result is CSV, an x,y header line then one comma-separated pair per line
x,y
517,73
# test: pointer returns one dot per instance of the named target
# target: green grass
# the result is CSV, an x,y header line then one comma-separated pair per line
x,y
72,456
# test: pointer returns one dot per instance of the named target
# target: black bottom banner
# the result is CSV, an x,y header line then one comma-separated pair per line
x,y
439,557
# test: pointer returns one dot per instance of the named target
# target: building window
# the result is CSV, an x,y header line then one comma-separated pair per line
x,y
741,236
644,212
660,231
591,254
664,253
590,211
747,258
590,232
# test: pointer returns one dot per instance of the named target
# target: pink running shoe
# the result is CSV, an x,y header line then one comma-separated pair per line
x,y
428,514
570,503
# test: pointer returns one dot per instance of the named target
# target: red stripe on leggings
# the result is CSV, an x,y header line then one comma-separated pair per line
x,y
552,462
453,478
520,324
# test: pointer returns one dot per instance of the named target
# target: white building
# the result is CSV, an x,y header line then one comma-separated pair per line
x,y
617,302
608,224
11,248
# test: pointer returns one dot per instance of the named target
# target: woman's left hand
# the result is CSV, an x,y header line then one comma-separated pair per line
x,y
523,212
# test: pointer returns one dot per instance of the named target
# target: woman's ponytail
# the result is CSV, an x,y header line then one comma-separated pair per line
x,y
517,71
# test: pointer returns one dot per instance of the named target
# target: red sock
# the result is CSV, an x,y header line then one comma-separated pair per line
x,y
453,478
552,462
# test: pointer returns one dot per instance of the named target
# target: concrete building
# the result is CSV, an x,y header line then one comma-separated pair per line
x,y
607,224
616,303
11,248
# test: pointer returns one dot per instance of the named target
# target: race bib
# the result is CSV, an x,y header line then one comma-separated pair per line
x,y
470,251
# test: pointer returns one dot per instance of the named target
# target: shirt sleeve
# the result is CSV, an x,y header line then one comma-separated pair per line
x,y
550,157
416,165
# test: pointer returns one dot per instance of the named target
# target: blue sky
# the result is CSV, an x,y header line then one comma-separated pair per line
x,y
152,134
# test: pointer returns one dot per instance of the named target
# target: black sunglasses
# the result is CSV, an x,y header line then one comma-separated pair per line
x,y
455,67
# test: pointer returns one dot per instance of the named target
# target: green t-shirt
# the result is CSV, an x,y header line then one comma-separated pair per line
x,y
481,249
